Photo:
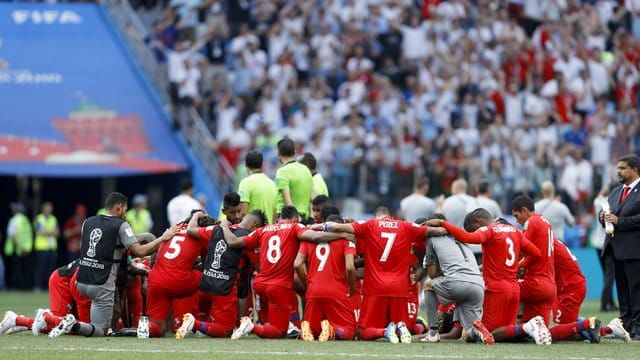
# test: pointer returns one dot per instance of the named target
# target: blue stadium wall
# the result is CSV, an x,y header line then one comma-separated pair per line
x,y
62,64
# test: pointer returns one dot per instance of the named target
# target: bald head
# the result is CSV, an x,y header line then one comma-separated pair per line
x,y
547,190
459,186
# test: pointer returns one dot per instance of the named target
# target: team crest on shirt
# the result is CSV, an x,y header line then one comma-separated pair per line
x,y
129,232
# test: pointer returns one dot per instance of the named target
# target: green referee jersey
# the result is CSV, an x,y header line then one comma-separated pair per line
x,y
319,185
297,178
260,192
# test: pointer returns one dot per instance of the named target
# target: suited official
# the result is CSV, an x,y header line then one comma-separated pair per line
x,y
624,244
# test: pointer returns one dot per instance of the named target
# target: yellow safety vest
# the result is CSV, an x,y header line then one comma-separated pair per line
x,y
22,242
44,243
139,220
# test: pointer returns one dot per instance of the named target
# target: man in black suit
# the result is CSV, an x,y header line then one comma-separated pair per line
x,y
624,243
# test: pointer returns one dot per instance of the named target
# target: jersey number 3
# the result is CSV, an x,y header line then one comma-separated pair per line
x,y
511,253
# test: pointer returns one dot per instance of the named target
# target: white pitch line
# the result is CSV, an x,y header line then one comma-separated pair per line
x,y
286,353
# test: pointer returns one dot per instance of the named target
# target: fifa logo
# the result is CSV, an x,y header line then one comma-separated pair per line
x,y
94,239
221,246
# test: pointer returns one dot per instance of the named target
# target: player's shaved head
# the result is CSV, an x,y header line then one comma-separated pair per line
x,y
260,216
459,186
253,220
477,218
547,189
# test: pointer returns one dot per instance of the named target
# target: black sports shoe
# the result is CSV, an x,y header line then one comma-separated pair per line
x,y
132,332
593,332
445,321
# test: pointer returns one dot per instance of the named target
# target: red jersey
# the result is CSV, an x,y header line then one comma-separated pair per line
x,y
566,266
327,276
386,244
177,256
413,303
500,255
278,245
501,246
538,230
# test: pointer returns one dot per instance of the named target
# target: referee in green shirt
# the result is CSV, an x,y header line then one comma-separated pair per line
x,y
257,191
319,185
293,179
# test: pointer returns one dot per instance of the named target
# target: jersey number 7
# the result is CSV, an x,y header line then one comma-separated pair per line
x,y
391,237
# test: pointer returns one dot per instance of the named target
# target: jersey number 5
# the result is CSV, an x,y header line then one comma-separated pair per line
x,y
174,247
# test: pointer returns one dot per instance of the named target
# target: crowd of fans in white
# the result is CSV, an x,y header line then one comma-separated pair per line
x,y
516,92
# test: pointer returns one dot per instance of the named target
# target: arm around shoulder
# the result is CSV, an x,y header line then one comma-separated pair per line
x,y
150,247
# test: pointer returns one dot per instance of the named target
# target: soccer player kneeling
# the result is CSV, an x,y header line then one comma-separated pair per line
x,y
330,275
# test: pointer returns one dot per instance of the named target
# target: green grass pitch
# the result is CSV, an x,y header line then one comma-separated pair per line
x,y
26,346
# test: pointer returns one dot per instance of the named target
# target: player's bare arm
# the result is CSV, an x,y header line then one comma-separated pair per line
x,y
433,271
231,239
527,247
350,268
461,235
325,237
146,249
436,231
300,265
192,226
333,227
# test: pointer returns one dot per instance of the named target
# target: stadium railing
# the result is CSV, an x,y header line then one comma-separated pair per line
x,y
191,124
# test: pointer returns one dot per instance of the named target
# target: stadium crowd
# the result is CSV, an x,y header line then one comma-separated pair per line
x,y
518,92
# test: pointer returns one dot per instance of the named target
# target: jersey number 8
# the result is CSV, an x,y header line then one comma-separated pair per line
x,y
273,249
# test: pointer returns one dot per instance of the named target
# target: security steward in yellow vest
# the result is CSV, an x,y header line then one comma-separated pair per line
x,y
45,245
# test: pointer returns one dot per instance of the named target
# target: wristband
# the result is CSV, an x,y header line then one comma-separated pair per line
x,y
325,227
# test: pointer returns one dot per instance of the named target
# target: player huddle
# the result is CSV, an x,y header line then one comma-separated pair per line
x,y
253,271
